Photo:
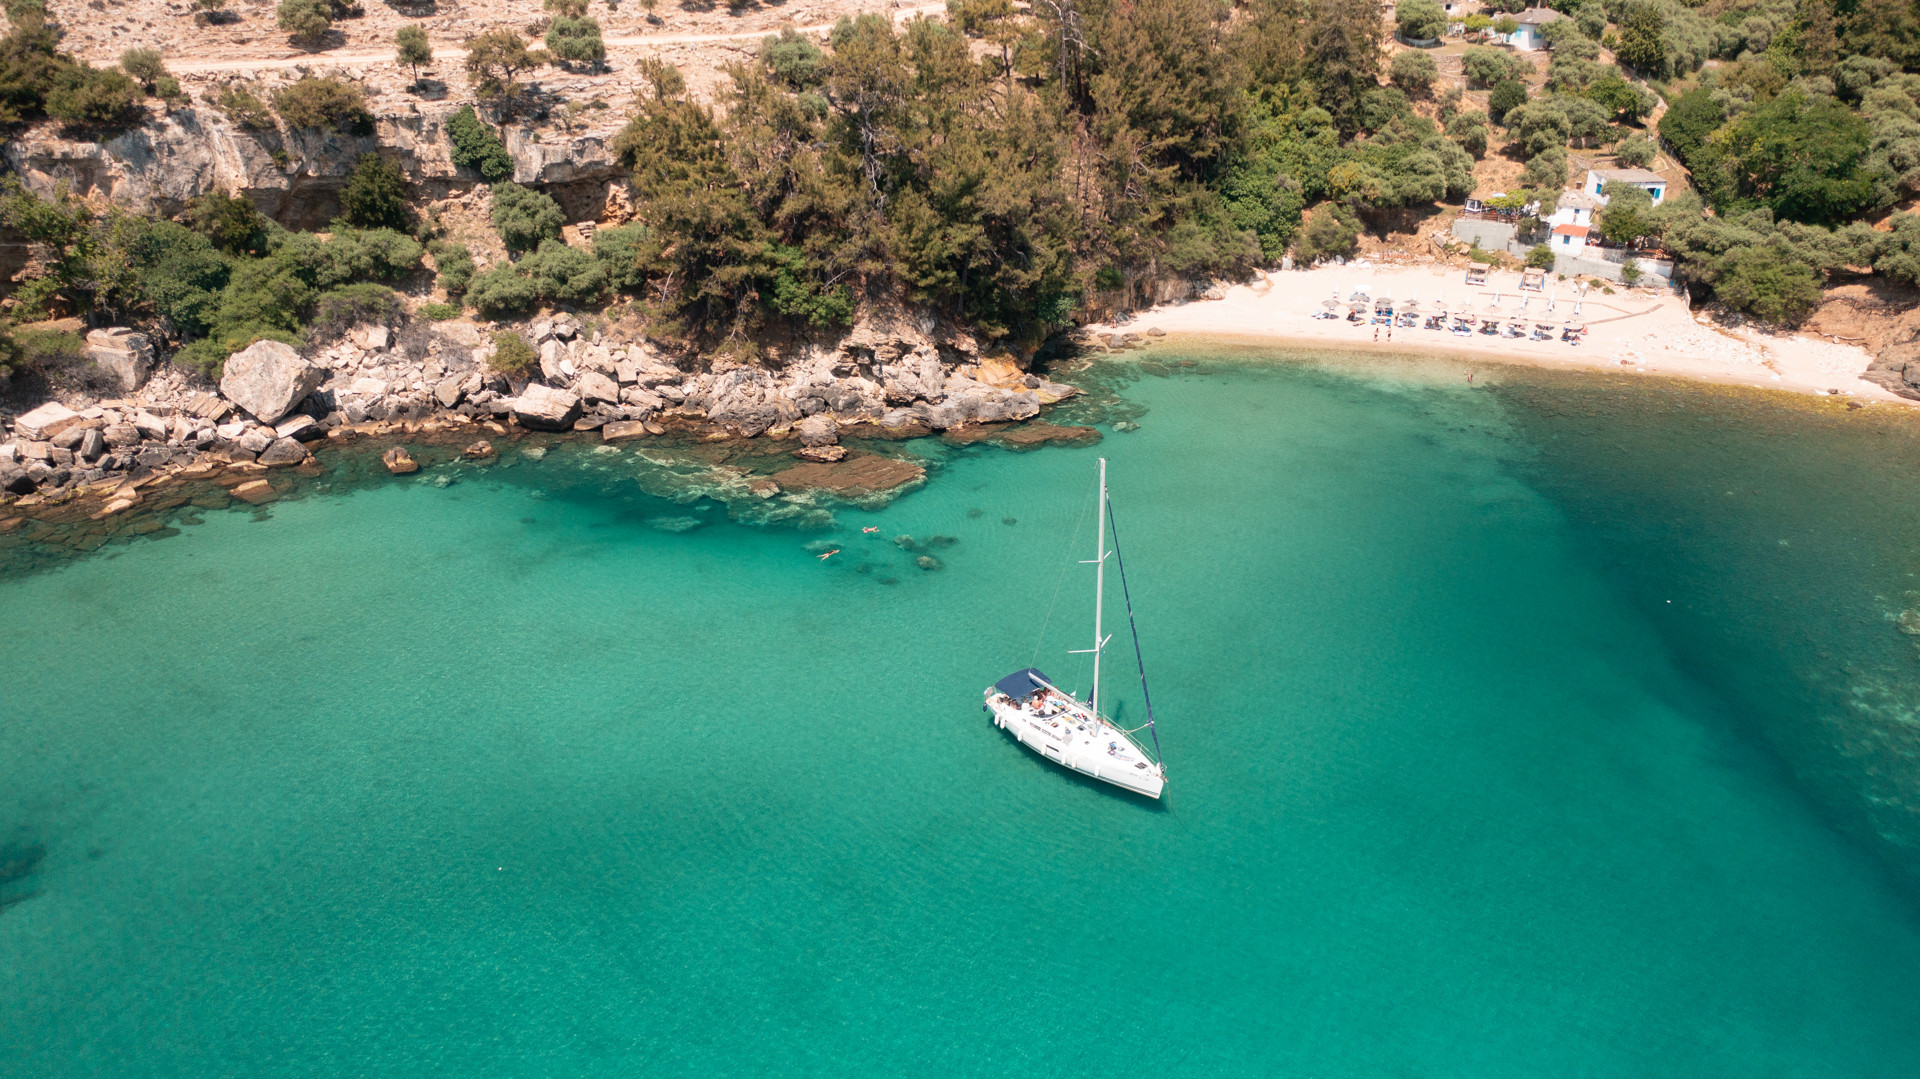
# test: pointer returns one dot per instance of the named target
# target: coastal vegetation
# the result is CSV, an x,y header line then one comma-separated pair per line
x,y
1007,166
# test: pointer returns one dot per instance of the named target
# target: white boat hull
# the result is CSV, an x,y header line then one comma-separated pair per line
x,y
1072,738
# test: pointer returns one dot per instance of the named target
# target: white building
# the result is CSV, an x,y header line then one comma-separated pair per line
x,y
1570,240
1575,208
1646,180
1527,37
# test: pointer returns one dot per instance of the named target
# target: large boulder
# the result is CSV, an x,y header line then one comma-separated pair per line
x,y
544,408
124,356
283,452
46,421
268,379
595,386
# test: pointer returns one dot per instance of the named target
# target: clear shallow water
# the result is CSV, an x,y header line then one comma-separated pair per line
x,y
499,780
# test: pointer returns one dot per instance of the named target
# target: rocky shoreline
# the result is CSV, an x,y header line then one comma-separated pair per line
x,y
807,431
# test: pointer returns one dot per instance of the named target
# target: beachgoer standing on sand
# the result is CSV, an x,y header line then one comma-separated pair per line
x,y
1376,335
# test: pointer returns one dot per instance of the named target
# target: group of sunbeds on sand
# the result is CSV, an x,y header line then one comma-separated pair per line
x,y
1362,308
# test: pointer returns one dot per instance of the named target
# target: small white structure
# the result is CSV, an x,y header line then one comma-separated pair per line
x,y
1646,180
1527,37
1575,208
1570,240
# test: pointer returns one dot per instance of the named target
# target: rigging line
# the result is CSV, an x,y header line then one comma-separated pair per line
x,y
1121,563
1066,563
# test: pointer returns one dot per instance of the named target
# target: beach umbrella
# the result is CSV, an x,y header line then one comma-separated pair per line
x,y
1411,307
1331,305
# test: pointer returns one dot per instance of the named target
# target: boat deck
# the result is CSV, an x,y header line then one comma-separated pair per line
x,y
1067,732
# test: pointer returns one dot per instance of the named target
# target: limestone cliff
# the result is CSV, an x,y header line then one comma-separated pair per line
x,y
295,176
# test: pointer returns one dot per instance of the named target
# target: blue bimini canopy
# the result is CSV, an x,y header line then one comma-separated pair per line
x,y
1023,684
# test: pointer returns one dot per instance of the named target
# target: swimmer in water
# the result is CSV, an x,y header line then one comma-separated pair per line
x,y
871,528
829,554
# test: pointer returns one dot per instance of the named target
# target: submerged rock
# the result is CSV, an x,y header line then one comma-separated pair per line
x,y
479,451
256,492
821,454
674,524
399,461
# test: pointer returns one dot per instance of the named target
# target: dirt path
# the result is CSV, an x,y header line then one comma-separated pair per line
x,y
456,53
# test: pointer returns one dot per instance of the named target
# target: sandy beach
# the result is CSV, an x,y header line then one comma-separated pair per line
x,y
1631,330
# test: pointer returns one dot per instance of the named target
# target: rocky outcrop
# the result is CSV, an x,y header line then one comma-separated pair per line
x,y
399,461
293,176
887,379
1897,369
267,379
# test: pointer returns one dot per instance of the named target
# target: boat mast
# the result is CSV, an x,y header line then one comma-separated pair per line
x,y
1099,589
1099,584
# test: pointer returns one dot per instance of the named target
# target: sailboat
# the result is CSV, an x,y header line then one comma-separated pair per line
x,y
1059,727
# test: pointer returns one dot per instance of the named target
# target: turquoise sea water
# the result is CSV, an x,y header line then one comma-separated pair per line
x,y
505,778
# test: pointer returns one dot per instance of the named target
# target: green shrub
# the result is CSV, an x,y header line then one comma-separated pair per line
x,y
376,195
1507,95
340,309
503,290
576,40
624,252
566,9
476,147
93,97
230,221
1414,72
495,61
360,255
144,66
29,66
1419,20
411,49
244,107
179,270
1540,256
324,102
1485,65
793,59
1328,232
455,266
524,217
438,312
512,355
1636,151
306,20
555,273
45,351
1547,169
1470,130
